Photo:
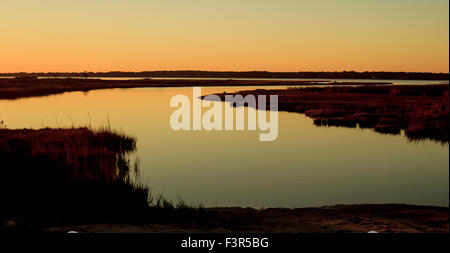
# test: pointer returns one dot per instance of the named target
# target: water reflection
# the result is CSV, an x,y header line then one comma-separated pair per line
x,y
306,166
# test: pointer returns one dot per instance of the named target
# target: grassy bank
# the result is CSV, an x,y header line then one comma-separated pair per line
x,y
422,111
52,176
62,177
30,87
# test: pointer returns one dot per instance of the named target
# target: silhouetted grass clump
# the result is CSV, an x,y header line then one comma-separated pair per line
x,y
52,176
57,177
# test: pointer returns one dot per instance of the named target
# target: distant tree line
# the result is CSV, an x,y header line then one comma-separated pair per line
x,y
247,74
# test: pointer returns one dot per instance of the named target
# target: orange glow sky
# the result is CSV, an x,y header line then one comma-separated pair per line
x,y
283,35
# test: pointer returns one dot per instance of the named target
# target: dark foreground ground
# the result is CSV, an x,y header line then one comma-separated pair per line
x,y
333,219
58,180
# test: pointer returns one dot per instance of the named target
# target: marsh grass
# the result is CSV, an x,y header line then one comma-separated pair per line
x,y
51,177
420,111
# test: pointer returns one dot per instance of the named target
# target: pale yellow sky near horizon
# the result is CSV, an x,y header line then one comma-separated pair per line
x,y
284,35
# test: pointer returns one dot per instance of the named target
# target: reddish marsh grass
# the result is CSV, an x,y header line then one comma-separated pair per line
x,y
422,111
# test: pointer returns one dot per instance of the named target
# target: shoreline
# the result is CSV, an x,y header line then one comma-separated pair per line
x,y
421,111
355,218
16,88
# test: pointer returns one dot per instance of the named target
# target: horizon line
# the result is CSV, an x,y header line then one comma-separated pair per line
x,y
226,71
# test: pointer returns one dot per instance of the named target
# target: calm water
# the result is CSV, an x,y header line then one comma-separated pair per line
x,y
305,166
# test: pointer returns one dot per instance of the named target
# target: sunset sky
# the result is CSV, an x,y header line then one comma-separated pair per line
x,y
273,35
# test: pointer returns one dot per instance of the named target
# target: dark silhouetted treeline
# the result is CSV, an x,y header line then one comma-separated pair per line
x,y
248,74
